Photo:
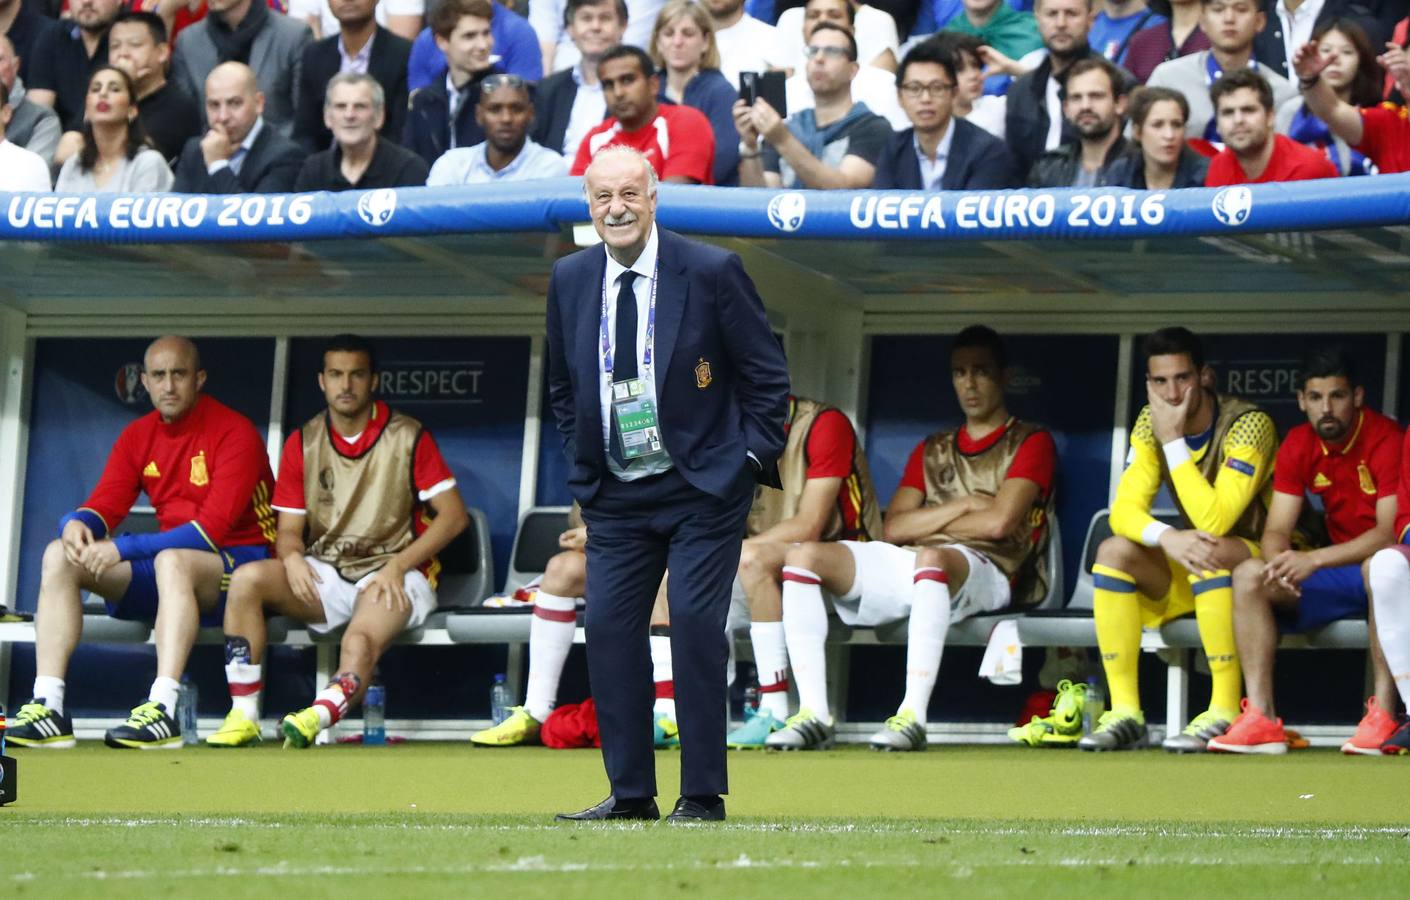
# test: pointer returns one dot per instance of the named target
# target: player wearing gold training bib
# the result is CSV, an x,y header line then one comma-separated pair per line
x,y
1214,453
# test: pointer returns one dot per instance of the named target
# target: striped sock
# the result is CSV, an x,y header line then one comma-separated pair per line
x,y
1118,619
771,659
331,704
925,638
662,673
1390,591
805,628
246,682
1214,610
551,630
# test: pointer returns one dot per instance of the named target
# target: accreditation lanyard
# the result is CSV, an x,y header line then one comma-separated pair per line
x,y
650,326
634,399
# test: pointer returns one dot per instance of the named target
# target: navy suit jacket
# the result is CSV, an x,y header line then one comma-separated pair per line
x,y
321,61
977,161
707,314
553,108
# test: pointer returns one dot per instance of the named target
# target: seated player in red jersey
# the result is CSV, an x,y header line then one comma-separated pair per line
x,y
965,535
1253,153
1380,133
204,467
1349,457
365,503
676,139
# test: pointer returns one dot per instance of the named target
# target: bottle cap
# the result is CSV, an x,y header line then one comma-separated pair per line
x,y
499,677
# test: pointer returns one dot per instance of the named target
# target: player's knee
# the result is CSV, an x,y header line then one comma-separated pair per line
x,y
756,565
808,556
930,558
248,585
173,565
1248,578
565,571
56,561
1119,553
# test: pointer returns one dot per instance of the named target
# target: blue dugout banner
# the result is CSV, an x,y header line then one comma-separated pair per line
x,y
737,212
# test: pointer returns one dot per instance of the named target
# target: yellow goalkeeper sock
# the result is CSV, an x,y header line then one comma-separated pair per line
x,y
1118,618
1214,610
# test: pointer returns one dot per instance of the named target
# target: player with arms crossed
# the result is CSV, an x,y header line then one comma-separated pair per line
x,y
1214,453
356,545
204,467
1349,457
965,534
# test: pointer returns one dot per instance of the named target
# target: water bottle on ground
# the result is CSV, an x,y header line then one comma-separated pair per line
x,y
751,699
500,699
374,716
1094,706
187,697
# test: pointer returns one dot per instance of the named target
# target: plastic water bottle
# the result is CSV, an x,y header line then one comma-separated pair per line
x,y
500,699
1094,706
374,716
187,697
2,729
751,699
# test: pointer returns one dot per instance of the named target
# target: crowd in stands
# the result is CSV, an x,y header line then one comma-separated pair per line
x,y
277,95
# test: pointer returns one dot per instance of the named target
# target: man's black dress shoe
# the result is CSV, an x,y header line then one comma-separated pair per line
x,y
613,810
688,810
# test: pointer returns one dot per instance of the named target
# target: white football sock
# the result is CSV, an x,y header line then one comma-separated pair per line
x,y
663,675
771,659
51,691
331,703
551,631
805,628
925,638
246,681
1390,590
165,691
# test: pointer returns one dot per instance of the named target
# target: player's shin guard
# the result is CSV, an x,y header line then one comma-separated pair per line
x,y
1214,610
1390,591
925,638
1118,620
245,678
805,627
551,632
331,704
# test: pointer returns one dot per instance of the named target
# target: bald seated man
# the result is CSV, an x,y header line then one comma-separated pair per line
x,y
240,154
204,467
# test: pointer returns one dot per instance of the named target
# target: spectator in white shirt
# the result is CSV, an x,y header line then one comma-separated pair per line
x,y
401,17
745,43
504,110
874,86
569,104
20,169
877,42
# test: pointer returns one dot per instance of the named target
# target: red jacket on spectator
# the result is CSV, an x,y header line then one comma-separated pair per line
x,y
1290,161
1385,137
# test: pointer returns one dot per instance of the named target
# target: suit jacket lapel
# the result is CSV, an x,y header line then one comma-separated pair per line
x,y
670,305
955,163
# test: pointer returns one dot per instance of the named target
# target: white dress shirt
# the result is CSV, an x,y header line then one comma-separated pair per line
x,y
932,172
589,109
21,169
355,62
1297,25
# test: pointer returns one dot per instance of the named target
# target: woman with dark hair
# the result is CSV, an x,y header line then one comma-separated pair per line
x,y
1161,160
1352,72
684,50
116,157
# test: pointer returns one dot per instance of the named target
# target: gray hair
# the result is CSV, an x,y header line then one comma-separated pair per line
x,y
612,150
379,96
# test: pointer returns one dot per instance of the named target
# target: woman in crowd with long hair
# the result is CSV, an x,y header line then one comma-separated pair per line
x,y
1355,76
115,157
683,48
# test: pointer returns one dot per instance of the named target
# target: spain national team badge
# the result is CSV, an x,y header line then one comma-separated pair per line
x,y
703,376
1368,484
199,476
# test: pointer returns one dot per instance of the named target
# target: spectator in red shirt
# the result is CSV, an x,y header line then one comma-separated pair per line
x,y
1382,132
204,467
1349,457
1253,154
676,140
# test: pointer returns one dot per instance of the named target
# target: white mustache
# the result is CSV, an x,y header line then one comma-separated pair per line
x,y
624,219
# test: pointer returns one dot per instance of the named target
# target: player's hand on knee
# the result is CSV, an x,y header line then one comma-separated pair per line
x,y
303,581
98,557
1193,549
573,539
1289,569
386,587
75,537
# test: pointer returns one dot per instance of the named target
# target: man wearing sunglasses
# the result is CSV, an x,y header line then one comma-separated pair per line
x,y
504,111
833,146
940,151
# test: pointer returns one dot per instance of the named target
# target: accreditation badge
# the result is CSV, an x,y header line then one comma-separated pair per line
x,y
634,410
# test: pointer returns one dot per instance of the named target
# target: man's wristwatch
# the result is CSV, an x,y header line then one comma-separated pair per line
x,y
748,152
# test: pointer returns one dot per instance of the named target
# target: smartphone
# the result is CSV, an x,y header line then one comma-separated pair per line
x,y
769,85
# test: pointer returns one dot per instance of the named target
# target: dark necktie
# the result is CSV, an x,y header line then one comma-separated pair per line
x,y
624,350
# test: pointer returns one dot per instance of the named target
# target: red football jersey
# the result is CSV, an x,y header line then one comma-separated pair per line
x,y
1385,137
678,142
1349,477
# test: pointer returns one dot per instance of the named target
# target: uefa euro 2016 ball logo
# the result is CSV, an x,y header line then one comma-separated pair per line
x,y
786,211
377,207
127,384
1232,205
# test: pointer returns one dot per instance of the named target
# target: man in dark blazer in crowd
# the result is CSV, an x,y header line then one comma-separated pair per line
x,y
361,45
568,104
939,151
240,154
670,392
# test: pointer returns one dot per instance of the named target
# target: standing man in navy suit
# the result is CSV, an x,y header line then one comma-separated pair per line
x,y
670,392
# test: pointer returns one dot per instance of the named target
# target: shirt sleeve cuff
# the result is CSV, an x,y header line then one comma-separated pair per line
x,y
1177,453
439,487
217,166
1150,535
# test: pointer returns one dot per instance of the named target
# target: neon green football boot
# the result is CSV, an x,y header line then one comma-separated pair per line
x,y
300,728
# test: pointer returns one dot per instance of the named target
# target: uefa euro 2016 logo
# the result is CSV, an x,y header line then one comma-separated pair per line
x,y
127,384
376,208
1232,205
786,211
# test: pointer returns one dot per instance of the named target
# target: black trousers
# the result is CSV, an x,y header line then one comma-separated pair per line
x,y
636,530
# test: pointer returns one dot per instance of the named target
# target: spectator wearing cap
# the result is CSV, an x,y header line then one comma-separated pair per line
x,y
834,145
442,116
1231,26
1159,158
31,126
354,110
1094,104
362,46
1179,35
248,32
504,110
1253,153
939,151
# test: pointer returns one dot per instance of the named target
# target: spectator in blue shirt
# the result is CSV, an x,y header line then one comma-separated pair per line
x,y
683,48
515,43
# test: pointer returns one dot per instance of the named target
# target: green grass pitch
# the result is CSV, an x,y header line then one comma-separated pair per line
x,y
443,820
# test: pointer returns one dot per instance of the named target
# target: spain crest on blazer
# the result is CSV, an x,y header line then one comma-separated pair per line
x,y
703,376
